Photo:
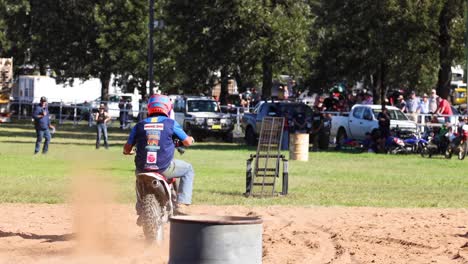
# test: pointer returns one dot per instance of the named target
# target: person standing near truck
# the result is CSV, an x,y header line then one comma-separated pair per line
x,y
384,129
42,125
122,113
101,118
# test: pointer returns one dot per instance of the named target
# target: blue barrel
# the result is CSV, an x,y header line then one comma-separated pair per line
x,y
201,239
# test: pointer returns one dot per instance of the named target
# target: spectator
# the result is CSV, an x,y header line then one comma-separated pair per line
x,y
129,111
330,103
255,97
384,127
423,108
317,127
319,103
368,99
401,104
283,92
433,102
42,125
142,113
412,106
101,118
86,113
294,89
299,122
444,109
122,113
369,144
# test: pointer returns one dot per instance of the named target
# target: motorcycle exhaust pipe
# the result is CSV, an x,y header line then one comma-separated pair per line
x,y
155,184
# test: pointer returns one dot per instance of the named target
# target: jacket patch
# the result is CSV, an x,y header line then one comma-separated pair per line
x,y
151,157
152,148
154,126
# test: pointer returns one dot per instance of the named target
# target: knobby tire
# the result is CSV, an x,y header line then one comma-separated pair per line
x,y
152,217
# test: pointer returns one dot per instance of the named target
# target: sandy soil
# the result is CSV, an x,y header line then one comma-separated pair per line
x,y
40,233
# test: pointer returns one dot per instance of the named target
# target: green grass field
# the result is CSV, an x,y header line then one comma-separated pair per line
x,y
327,179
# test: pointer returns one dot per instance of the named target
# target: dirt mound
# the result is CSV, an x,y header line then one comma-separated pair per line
x,y
40,233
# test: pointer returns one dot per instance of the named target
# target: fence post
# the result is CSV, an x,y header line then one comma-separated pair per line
x,y
60,112
19,109
238,116
284,189
74,114
248,177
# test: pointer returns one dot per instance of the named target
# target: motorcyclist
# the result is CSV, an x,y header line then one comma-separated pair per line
x,y
153,139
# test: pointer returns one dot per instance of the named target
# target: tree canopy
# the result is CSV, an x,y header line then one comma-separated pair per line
x,y
384,44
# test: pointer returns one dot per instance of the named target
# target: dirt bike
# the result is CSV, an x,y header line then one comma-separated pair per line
x,y
157,197
459,144
436,144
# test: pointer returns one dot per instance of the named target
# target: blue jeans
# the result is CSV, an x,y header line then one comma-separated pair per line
x,y
177,169
101,131
42,133
184,171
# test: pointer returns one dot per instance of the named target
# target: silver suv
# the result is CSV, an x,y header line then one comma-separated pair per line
x,y
201,117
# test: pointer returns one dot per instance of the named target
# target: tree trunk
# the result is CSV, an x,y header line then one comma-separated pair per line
x,y
381,85
142,89
267,76
224,86
105,81
445,53
238,77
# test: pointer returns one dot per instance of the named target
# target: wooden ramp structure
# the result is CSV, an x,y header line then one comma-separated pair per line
x,y
261,178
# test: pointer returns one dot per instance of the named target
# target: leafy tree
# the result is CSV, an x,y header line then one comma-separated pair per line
x,y
236,37
387,43
450,18
14,29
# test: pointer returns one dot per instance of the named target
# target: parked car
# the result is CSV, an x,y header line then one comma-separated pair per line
x,y
252,122
201,117
362,119
113,104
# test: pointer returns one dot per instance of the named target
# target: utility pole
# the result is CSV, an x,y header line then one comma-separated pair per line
x,y
150,47
466,54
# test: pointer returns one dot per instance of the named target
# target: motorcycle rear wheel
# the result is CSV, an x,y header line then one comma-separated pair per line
x,y
448,152
463,150
425,152
152,218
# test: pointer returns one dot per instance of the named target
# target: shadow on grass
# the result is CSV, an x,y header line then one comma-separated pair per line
x,y
116,145
221,146
32,134
48,238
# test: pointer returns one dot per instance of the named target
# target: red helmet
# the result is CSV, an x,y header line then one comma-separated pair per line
x,y
159,104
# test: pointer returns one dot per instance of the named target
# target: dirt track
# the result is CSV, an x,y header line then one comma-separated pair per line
x,y
59,233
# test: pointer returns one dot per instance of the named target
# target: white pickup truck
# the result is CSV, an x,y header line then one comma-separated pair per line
x,y
363,118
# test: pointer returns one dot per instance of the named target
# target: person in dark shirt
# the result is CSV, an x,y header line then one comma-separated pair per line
x,y
101,118
123,114
153,140
42,125
384,127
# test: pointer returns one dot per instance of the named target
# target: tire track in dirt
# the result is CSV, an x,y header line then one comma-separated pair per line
x,y
302,240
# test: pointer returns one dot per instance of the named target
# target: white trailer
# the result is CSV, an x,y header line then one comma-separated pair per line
x,y
30,89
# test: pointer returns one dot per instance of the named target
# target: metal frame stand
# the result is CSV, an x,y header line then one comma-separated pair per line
x,y
261,178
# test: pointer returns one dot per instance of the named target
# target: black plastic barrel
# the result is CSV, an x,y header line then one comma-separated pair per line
x,y
215,240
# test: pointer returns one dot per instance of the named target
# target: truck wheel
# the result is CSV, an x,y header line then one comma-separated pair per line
x,y
228,137
250,138
192,134
340,137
